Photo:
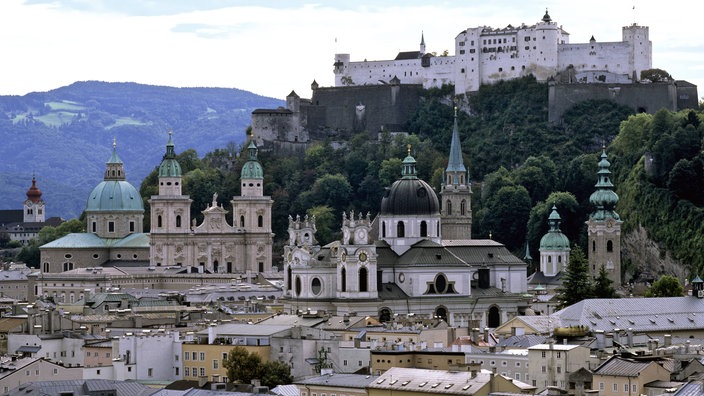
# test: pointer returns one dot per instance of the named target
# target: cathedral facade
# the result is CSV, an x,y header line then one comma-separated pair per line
x,y
238,243
400,262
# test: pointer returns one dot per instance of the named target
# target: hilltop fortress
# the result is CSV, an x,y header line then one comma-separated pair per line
x,y
381,95
484,55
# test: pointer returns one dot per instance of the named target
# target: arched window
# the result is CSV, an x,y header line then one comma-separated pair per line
x,y
215,266
593,246
288,276
298,286
400,229
178,220
423,229
363,280
494,319
383,229
448,207
343,280
158,221
463,207
384,315
316,286
241,221
260,221
549,259
609,246
441,312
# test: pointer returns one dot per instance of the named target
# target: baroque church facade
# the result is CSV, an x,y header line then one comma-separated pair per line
x,y
114,211
415,258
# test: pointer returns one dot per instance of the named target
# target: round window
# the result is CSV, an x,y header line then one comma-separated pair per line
x,y
441,283
316,286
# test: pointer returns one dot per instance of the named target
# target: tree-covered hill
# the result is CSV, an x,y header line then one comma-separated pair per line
x,y
65,136
520,164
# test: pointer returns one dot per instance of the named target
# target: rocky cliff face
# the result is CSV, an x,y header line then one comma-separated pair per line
x,y
645,261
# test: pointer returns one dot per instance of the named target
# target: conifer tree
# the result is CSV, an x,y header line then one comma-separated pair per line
x,y
576,285
603,285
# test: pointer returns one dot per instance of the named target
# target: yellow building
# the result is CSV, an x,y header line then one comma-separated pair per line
x,y
627,376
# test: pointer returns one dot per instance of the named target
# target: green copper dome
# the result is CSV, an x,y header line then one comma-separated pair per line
x,y
114,193
409,195
169,166
252,169
554,239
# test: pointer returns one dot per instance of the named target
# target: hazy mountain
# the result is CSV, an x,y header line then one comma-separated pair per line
x,y
65,136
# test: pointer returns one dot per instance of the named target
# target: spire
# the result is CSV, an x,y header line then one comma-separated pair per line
x,y
114,168
252,169
409,166
422,43
554,220
169,165
527,256
34,194
604,199
455,162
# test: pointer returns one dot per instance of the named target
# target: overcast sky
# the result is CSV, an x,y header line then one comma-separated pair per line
x,y
271,48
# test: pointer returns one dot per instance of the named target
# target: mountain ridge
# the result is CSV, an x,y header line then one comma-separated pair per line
x,y
64,136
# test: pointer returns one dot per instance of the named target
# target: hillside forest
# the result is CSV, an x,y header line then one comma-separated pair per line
x,y
520,165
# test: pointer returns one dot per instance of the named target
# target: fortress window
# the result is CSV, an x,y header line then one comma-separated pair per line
x,y
461,43
501,69
527,48
513,67
461,52
462,70
471,42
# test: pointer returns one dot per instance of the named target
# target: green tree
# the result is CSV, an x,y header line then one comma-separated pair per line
x,y
507,216
242,366
275,373
30,253
325,223
538,175
665,286
576,284
603,285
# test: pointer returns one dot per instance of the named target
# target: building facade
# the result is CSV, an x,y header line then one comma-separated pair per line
x,y
484,55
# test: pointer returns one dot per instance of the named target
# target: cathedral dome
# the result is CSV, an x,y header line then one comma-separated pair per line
x,y
34,194
252,169
114,195
410,195
554,239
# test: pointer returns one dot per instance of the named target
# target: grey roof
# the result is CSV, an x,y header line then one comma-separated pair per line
x,y
79,387
435,381
286,390
691,388
239,329
658,314
522,341
342,380
617,366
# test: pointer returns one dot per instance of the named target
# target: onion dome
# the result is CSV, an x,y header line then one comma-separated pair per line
x,y
252,169
554,239
34,194
604,199
169,165
546,17
410,195
114,193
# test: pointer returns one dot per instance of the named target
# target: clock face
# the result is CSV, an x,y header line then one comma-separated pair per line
x,y
362,256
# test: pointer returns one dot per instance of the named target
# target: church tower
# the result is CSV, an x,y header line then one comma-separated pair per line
x,y
456,193
34,205
251,214
357,265
554,247
170,213
604,226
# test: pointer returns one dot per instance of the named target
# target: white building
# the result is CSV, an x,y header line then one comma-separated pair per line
x,y
484,55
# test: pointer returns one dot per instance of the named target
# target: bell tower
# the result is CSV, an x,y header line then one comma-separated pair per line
x,y
456,193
